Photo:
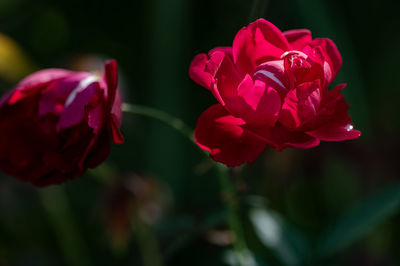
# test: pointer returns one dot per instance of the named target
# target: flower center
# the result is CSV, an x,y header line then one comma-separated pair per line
x,y
295,61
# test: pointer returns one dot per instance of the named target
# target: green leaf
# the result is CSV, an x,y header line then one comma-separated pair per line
x,y
360,220
288,245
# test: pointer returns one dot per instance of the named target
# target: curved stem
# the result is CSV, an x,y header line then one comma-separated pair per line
x,y
161,116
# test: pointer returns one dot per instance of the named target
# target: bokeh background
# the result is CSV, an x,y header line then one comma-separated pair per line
x,y
157,197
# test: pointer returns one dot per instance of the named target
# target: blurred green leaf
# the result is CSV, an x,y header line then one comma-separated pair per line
x,y
360,220
245,257
61,218
275,233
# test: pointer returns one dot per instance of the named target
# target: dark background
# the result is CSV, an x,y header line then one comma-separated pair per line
x,y
154,42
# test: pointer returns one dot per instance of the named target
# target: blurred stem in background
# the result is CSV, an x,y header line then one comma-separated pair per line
x,y
258,9
228,189
58,210
147,242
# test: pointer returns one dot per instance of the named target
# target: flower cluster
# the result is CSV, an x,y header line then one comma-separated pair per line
x,y
272,89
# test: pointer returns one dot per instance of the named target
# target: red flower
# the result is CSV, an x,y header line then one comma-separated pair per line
x,y
56,123
272,90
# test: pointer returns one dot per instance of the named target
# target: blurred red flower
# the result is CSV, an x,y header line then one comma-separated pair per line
x,y
272,89
56,123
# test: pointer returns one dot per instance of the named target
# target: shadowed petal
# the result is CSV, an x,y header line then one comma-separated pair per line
x,y
110,77
338,129
116,119
301,105
57,92
75,108
280,137
226,137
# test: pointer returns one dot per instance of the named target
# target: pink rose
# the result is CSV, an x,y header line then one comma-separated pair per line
x,y
272,89
56,123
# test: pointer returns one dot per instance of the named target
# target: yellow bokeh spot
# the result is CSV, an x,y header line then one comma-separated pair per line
x,y
14,64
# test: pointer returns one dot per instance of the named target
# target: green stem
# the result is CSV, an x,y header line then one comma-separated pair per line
x,y
229,194
228,189
147,242
161,116
57,208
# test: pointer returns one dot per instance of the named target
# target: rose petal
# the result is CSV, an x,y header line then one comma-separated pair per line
x,y
99,151
298,38
78,141
198,73
338,129
75,111
273,75
95,152
333,103
21,153
301,105
217,73
110,77
331,54
34,82
203,67
114,100
333,123
257,43
256,103
56,93
226,137
280,137
226,77
116,119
